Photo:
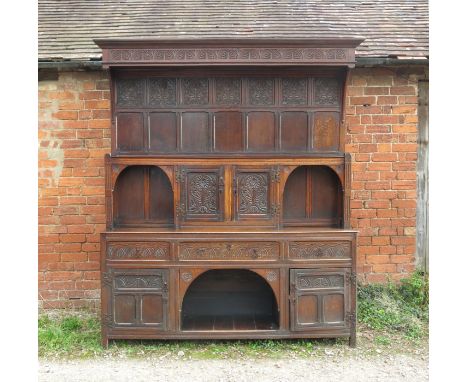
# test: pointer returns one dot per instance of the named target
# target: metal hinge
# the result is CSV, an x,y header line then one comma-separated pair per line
x,y
351,318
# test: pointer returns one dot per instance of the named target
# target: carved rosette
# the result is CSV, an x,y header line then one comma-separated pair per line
x,y
162,92
332,281
228,91
294,91
202,194
326,91
186,276
272,276
233,251
261,91
130,92
195,91
253,193
319,250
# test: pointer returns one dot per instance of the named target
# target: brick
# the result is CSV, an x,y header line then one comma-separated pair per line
x,y
65,115
370,100
384,157
387,100
403,90
376,90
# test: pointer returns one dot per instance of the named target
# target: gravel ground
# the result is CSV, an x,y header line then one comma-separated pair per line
x,y
388,367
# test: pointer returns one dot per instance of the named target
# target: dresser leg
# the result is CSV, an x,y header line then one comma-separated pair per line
x,y
352,339
104,341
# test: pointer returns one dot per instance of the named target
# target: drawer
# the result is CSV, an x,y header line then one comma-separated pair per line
x,y
305,250
138,250
229,251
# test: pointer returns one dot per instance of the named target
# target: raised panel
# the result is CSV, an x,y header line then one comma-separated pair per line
x,y
308,310
326,131
152,309
294,131
333,308
195,91
228,131
162,132
261,131
130,92
130,132
196,135
125,309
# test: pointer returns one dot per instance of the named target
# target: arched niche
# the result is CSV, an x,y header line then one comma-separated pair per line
x,y
229,299
313,195
143,195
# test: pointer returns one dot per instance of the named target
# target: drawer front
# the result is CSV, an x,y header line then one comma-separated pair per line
x,y
229,251
316,250
144,251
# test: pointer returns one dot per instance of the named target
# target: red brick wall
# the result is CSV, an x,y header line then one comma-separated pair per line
x,y
74,135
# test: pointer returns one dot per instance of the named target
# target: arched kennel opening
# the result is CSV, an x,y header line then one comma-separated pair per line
x,y
143,195
229,299
313,196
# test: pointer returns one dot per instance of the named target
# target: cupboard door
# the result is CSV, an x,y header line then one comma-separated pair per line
x,y
253,193
319,299
139,298
202,193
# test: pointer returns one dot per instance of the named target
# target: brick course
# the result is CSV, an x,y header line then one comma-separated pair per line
x,y
74,135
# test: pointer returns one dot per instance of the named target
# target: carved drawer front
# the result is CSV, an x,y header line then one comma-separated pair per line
x,y
229,251
316,250
141,250
138,298
254,193
202,193
319,298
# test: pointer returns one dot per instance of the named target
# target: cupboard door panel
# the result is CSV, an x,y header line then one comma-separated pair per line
x,y
202,194
319,298
138,297
130,132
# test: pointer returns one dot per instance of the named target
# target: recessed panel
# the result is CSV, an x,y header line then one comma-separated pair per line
x,y
326,131
161,197
307,309
130,136
152,307
333,308
125,309
129,194
196,135
163,132
261,131
294,131
295,195
228,131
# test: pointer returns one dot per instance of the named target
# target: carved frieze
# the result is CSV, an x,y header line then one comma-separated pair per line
x,y
294,91
150,250
322,281
202,192
261,91
231,251
162,92
326,91
195,91
253,193
138,281
130,92
319,250
228,91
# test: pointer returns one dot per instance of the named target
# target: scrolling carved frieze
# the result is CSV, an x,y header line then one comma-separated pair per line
x,y
319,250
253,193
138,281
189,55
155,250
232,251
332,281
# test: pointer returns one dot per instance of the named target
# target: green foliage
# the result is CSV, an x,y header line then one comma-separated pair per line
x,y
403,307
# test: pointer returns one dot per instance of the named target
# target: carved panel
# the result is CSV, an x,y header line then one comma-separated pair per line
x,y
138,281
320,281
294,91
231,251
228,91
253,193
319,250
202,194
162,92
195,91
261,91
130,92
326,91
158,250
